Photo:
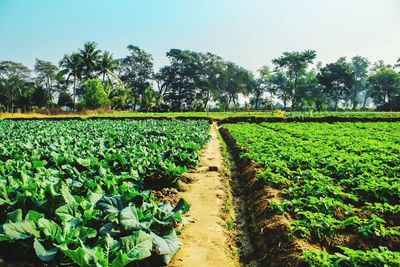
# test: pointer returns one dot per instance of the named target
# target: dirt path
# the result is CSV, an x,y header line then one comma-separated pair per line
x,y
204,242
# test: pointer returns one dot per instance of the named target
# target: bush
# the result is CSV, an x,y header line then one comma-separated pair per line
x,y
39,97
95,95
65,100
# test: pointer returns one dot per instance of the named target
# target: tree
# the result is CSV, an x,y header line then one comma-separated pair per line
x,y
311,94
116,94
40,97
89,58
46,74
25,90
360,74
384,86
280,87
294,65
71,66
209,68
136,72
337,80
107,65
65,100
398,64
261,85
15,84
148,99
191,76
180,79
95,95
234,80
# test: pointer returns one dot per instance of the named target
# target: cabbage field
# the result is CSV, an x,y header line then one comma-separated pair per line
x,y
81,192
91,192
338,184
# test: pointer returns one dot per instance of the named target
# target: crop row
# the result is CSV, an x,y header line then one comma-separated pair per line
x,y
79,191
340,184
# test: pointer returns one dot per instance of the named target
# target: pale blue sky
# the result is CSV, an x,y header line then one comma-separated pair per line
x,y
248,32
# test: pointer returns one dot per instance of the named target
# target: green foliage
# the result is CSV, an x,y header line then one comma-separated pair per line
x,y
385,88
360,75
15,85
292,67
65,99
95,95
137,72
340,178
375,257
192,78
337,80
46,76
89,57
197,105
39,97
78,192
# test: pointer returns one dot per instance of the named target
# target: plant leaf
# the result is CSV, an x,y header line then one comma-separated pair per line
x,y
43,253
48,227
14,216
111,204
137,246
68,212
129,218
20,230
167,245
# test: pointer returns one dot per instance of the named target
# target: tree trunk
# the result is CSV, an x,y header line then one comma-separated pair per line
x,y
365,100
256,104
354,101
206,100
134,103
234,103
294,93
74,93
229,102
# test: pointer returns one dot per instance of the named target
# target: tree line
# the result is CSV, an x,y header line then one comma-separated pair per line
x,y
90,78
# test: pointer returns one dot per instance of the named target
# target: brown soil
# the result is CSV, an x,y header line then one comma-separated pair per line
x,y
205,242
266,231
168,195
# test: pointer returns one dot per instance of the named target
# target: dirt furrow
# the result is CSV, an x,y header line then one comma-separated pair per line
x,y
205,242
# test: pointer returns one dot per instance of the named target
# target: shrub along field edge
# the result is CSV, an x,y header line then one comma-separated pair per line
x,y
328,119
220,119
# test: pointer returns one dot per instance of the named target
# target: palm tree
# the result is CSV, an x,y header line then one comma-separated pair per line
x,y
398,63
107,65
71,65
89,56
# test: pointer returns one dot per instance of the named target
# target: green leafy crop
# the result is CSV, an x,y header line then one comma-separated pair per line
x,y
79,192
337,179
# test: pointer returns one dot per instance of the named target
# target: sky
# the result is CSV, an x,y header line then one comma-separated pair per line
x,y
248,32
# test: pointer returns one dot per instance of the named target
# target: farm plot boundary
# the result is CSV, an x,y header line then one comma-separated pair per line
x,y
266,230
327,119
59,118
220,121
272,231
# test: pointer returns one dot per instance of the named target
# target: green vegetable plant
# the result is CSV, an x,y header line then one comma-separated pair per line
x,y
80,192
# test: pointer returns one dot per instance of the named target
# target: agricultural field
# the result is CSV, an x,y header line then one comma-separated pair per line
x,y
338,187
212,115
348,114
82,192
